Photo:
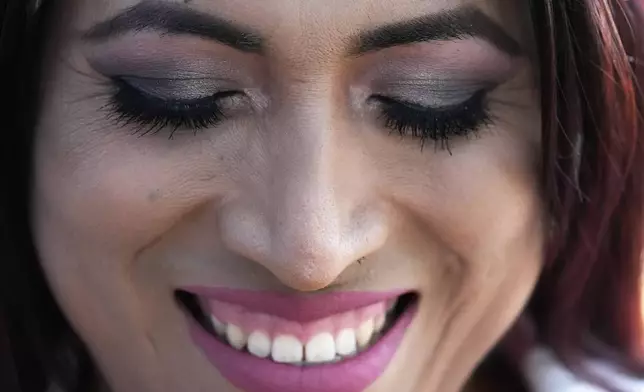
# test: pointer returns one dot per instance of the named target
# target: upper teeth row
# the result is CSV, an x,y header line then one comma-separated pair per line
x,y
323,347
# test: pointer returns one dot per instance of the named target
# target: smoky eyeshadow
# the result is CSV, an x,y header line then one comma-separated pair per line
x,y
188,69
437,76
169,77
435,92
176,89
156,66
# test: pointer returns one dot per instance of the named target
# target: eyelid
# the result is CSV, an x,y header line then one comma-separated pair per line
x,y
433,95
176,89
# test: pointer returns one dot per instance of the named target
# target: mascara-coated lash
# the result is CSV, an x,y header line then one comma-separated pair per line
x,y
152,114
437,124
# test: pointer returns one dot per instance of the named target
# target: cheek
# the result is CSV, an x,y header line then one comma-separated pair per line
x,y
98,202
481,199
100,197
491,202
480,213
116,192
108,190
109,204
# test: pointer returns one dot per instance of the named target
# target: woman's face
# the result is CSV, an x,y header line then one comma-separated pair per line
x,y
290,167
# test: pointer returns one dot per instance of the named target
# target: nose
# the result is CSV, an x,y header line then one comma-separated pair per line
x,y
308,212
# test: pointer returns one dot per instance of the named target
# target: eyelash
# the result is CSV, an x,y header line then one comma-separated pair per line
x,y
131,106
436,124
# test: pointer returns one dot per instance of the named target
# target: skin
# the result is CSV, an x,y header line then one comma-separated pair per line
x,y
290,192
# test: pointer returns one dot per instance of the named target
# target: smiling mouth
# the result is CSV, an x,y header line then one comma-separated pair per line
x,y
334,338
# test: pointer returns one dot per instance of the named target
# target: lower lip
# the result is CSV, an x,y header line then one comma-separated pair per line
x,y
252,374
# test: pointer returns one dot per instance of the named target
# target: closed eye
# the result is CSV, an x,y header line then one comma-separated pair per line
x,y
130,105
435,123
151,114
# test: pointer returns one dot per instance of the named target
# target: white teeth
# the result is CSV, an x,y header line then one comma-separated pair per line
x,y
364,333
324,347
379,323
259,344
321,348
235,336
345,342
220,327
287,349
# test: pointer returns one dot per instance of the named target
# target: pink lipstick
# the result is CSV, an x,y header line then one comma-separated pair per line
x,y
274,342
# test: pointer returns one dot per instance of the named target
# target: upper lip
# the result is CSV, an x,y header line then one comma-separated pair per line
x,y
298,308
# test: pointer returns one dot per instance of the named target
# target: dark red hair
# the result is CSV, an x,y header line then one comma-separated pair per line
x,y
589,294
587,302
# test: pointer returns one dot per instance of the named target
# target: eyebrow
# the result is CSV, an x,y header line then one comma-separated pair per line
x,y
460,23
171,18
174,19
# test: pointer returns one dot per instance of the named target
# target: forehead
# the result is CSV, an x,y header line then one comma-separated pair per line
x,y
314,22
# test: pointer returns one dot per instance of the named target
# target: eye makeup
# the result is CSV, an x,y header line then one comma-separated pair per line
x,y
187,89
434,91
156,84
150,113
168,57
428,91
436,123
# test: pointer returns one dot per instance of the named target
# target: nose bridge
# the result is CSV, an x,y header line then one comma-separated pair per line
x,y
309,220
303,148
